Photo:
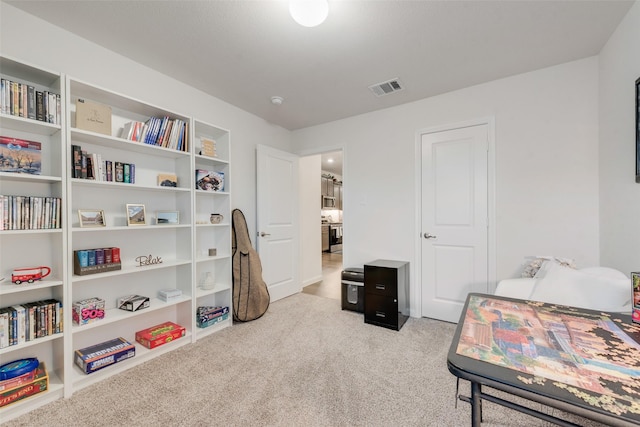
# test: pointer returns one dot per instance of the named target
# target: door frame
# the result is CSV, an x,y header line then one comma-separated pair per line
x,y
416,291
327,149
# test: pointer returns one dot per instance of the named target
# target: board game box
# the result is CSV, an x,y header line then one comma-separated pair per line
x,y
98,356
88,310
160,334
133,302
207,316
20,156
39,384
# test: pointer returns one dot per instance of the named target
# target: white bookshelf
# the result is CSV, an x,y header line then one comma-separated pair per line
x,y
212,236
39,247
172,244
183,247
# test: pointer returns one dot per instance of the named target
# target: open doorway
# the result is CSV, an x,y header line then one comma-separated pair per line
x,y
331,214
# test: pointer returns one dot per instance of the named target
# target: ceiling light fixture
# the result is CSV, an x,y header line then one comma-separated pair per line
x,y
277,100
309,13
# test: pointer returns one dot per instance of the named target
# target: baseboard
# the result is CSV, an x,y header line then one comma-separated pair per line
x,y
311,281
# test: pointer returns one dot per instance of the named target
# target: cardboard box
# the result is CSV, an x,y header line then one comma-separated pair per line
x,y
207,316
160,334
88,311
93,117
96,357
133,302
39,384
13,152
169,295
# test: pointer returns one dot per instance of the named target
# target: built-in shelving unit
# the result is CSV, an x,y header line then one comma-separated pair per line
x,y
35,247
172,244
212,236
183,247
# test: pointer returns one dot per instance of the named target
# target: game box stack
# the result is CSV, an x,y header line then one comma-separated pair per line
x,y
88,310
21,379
93,261
207,316
98,356
160,334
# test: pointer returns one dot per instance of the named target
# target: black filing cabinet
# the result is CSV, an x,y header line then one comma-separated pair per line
x,y
386,293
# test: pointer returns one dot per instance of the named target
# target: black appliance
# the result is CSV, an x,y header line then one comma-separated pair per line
x,y
353,289
335,237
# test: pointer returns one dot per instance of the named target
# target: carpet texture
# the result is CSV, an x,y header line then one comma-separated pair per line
x,y
306,362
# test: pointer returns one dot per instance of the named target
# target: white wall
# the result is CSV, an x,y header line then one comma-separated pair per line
x,y
546,157
619,194
310,232
32,40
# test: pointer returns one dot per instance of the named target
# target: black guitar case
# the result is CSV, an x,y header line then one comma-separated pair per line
x,y
250,293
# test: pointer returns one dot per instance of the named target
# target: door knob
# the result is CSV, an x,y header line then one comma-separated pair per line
x,y
429,236
262,234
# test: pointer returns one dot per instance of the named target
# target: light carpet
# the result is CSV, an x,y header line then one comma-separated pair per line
x,y
306,362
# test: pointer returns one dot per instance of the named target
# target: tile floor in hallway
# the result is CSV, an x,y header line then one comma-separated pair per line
x,y
330,285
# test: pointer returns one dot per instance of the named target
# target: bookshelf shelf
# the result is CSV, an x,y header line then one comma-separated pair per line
x,y
132,270
7,287
116,315
23,124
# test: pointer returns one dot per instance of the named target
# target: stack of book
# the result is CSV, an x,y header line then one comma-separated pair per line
x,y
161,132
30,212
23,100
29,321
92,166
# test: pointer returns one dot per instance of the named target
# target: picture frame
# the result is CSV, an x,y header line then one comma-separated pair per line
x,y
91,218
167,217
637,130
136,214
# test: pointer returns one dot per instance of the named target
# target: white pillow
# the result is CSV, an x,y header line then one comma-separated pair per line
x,y
562,285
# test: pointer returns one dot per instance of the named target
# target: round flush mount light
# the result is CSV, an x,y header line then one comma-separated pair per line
x,y
277,100
309,13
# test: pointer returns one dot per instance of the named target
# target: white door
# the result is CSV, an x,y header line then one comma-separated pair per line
x,y
277,217
454,211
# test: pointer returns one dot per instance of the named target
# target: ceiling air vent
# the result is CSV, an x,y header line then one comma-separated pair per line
x,y
385,88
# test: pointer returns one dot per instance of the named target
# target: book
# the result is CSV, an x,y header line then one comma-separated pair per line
x,y
209,180
119,172
20,156
109,170
127,173
76,161
93,117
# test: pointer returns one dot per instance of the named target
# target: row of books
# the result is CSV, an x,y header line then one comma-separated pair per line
x,y
161,132
23,100
30,321
30,212
92,166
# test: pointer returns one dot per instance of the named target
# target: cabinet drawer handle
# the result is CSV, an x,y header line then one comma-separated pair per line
x,y
381,314
379,286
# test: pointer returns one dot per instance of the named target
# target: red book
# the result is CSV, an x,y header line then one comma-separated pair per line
x,y
115,254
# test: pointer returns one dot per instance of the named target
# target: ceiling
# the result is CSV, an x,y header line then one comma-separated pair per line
x,y
244,52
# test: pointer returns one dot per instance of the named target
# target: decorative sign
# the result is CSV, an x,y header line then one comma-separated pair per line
x,y
148,260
